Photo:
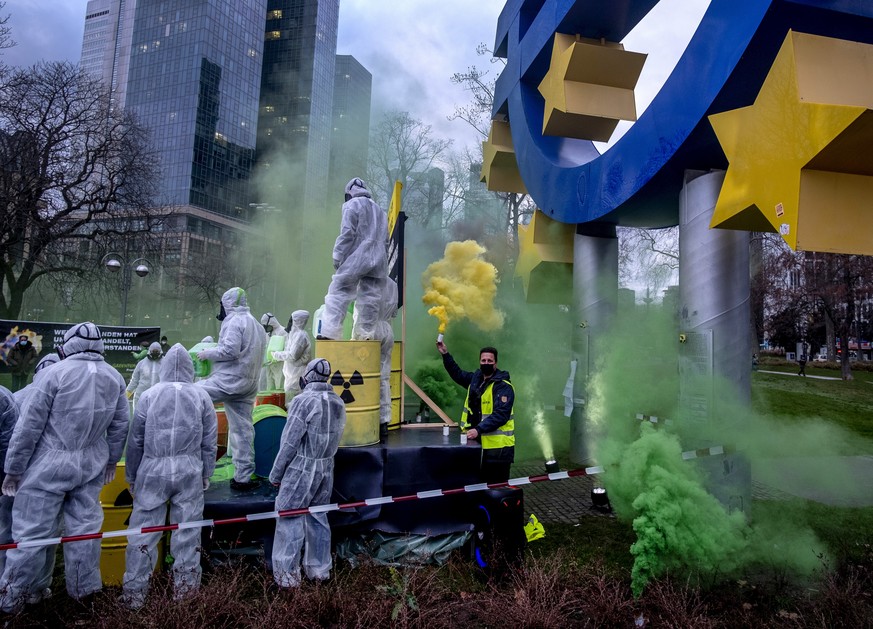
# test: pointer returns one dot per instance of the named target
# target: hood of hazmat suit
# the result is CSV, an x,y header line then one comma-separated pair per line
x,y
172,441
269,319
236,362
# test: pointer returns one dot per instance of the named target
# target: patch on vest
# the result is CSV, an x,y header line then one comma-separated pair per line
x,y
503,399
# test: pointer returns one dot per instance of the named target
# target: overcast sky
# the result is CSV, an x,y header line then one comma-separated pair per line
x,y
412,47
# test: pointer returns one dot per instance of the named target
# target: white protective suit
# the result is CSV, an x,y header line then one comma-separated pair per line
x,y
236,363
170,457
42,586
65,447
272,372
146,374
384,333
360,257
298,352
304,472
8,417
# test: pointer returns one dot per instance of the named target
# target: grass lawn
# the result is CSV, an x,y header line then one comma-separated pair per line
x,y
848,404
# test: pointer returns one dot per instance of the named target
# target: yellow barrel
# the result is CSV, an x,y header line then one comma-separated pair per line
x,y
117,506
396,385
355,373
221,416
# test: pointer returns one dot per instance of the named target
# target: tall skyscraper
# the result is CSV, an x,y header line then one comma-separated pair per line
x,y
191,71
293,148
350,141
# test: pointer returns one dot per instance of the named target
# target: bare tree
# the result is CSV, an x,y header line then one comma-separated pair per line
x,y
73,170
648,257
403,148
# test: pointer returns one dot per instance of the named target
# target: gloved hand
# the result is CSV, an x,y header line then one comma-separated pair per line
x,y
109,474
129,394
205,484
203,355
10,484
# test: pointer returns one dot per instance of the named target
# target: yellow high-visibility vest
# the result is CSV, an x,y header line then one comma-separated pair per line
x,y
504,436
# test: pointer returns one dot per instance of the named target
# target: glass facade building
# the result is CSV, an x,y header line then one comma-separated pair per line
x,y
194,75
296,98
350,139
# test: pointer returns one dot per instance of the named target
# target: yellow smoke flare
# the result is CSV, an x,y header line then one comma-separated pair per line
x,y
462,286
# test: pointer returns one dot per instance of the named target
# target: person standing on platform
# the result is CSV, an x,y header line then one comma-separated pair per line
x,y
273,378
384,333
360,258
64,448
22,357
236,364
487,411
303,472
42,586
170,456
297,353
146,374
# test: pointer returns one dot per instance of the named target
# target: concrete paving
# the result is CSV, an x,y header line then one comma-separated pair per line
x,y
837,481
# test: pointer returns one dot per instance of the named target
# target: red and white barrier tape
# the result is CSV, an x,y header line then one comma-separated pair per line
x,y
369,502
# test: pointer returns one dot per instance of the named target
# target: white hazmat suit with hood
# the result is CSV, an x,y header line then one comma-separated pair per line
x,y
272,377
360,257
8,417
65,447
303,470
298,352
236,363
147,373
170,457
42,587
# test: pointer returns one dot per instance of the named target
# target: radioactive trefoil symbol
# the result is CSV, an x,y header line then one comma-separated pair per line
x,y
337,379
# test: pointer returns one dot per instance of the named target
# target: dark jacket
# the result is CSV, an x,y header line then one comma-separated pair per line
x,y
22,359
475,384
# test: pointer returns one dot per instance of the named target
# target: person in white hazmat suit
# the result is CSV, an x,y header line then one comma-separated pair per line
x,y
303,471
64,448
384,333
170,456
360,258
8,417
272,377
236,363
146,374
42,586
297,353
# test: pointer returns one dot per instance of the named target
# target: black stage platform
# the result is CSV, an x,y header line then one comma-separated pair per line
x,y
411,460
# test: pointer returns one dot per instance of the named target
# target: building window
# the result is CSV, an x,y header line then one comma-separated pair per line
x,y
272,15
271,35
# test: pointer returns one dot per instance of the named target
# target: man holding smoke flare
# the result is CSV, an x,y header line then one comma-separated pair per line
x,y
487,410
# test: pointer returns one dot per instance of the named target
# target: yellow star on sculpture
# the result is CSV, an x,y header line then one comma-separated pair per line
x,y
589,87
499,165
791,152
545,259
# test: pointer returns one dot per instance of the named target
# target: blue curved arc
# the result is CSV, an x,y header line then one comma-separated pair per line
x,y
636,182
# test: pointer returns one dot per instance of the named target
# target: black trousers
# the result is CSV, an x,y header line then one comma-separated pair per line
x,y
495,471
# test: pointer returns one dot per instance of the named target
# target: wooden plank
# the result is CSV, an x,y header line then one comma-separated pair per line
x,y
436,409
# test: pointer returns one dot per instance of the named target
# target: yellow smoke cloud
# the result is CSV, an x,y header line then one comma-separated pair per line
x,y
462,285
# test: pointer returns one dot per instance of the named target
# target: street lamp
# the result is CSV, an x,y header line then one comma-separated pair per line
x,y
114,263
